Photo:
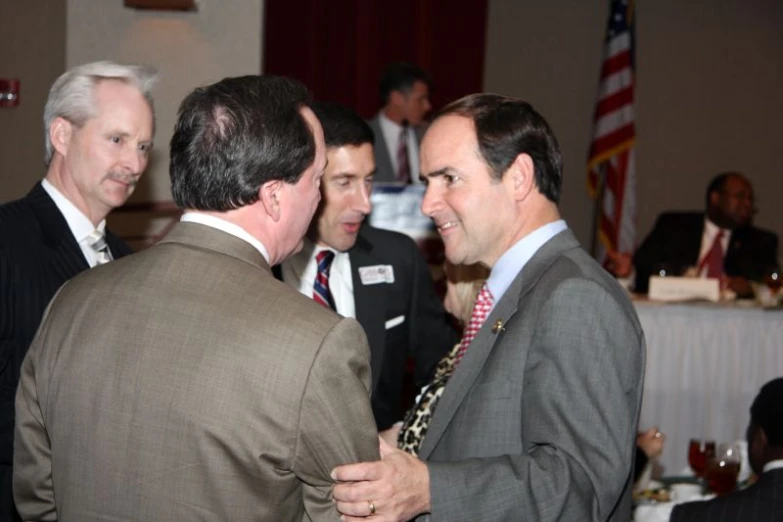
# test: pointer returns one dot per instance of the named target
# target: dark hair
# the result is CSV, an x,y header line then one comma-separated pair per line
x,y
233,136
766,412
506,127
717,184
342,126
400,76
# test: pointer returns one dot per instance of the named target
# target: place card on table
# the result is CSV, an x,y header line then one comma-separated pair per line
x,y
683,288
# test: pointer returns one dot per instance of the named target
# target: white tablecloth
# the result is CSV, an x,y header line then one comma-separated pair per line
x,y
705,364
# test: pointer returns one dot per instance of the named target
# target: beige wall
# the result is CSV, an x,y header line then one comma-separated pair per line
x,y
709,78
33,35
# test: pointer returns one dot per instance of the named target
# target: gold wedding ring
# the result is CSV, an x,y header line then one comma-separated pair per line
x,y
372,508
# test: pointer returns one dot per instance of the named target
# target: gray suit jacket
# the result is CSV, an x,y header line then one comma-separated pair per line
x,y
383,163
539,420
186,383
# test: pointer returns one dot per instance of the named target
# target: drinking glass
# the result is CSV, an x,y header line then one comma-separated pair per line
x,y
772,278
722,469
699,451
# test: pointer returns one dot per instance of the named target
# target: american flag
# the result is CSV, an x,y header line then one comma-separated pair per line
x,y
611,171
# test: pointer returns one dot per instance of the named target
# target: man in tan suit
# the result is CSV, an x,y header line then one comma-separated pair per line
x,y
185,382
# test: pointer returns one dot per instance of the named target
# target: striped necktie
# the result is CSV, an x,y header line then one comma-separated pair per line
x,y
403,161
417,420
97,242
321,293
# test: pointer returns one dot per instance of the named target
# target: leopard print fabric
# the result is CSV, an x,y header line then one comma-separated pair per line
x,y
417,420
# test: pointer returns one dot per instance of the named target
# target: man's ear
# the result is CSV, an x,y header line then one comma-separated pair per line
x,y
270,194
396,97
60,132
522,176
714,198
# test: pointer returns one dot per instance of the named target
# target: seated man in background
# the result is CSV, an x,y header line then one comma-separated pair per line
x,y
377,276
720,243
763,501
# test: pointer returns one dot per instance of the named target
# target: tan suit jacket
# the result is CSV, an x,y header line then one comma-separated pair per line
x,y
186,383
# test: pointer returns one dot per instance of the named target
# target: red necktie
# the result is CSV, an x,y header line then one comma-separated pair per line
x,y
403,162
477,317
713,259
321,293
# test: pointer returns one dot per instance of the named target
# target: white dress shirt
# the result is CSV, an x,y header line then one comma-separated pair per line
x,y
773,464
300,269
227,227
708,237
391,135
80,225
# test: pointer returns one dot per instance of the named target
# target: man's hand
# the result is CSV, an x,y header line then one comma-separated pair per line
x,y
651,442
619,263
390,435
397,487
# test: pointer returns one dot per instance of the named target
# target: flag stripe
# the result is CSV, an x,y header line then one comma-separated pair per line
x,y
610,165
614,102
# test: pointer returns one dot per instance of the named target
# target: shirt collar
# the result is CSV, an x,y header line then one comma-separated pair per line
x,y
773,464
388,125
515,258
78,222
225,226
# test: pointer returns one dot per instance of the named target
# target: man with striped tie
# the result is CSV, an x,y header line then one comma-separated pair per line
x,y
533,416
377,276
99,126
400,124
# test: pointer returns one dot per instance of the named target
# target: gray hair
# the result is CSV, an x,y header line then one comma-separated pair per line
x,y
72,95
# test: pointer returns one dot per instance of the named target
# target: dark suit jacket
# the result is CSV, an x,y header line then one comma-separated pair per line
x,y
38,254
761,502
424,331
676,240
383,164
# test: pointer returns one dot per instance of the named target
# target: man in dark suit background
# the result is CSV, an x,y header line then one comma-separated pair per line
x,y
377,276
763,501
99,127
680,240
399,125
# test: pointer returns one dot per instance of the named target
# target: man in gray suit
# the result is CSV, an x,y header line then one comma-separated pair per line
x,y
534,416
398,127
185,382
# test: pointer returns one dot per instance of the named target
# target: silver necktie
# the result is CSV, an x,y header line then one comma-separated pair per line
x,y
97,242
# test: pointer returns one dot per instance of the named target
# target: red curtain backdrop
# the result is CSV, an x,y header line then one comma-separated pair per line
x,y
339,48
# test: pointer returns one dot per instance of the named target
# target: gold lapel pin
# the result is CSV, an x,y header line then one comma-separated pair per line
x,y
498,326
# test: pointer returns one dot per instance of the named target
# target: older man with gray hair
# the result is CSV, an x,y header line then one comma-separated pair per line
x,y
98,125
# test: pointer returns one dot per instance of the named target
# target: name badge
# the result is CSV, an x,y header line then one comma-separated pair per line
x,y
377,274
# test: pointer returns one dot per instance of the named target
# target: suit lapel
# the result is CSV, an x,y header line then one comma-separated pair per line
x,y
692,247
476,356
385,172
117,246
370,303
67,256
